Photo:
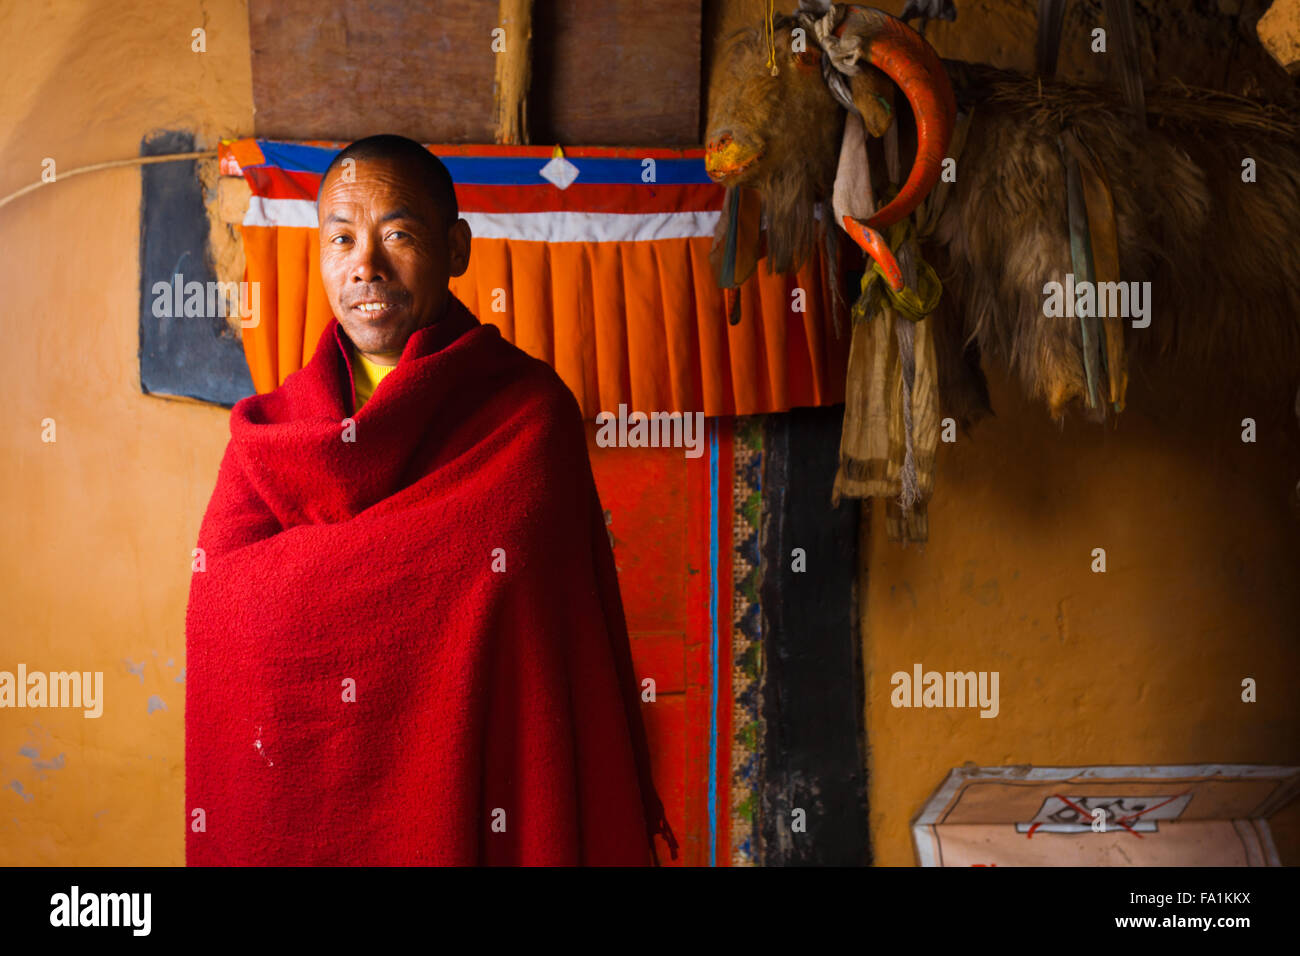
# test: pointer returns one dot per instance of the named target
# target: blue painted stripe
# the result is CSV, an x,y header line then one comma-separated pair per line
x,y
507,170
714,756
295,157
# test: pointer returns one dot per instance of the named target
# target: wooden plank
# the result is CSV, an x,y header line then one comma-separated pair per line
x,y
344,69
605,72
616,73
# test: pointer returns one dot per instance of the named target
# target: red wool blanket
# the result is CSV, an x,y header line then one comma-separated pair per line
x,y
409,647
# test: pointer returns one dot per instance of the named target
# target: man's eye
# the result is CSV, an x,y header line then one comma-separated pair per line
x,y
337,238
398,232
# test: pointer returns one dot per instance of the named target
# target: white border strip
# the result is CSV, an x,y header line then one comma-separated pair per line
x,y
591,226
525,226
281,212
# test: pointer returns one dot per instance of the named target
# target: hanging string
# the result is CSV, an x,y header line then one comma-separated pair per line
x,y
112,164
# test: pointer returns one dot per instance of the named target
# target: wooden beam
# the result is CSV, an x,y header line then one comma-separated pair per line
x,y
513,51
422,70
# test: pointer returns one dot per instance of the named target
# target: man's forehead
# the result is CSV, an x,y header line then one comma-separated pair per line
x,y
377,175
386,184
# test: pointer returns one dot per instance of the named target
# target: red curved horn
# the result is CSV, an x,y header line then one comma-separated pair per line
x,y
902,55
874,245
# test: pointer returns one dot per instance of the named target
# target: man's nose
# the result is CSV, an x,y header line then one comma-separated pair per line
x,y
369,262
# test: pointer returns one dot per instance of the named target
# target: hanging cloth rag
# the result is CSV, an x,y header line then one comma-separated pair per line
x,y
891,417
851,194
873,444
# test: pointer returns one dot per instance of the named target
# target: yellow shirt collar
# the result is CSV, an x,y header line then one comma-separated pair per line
x,y
366,376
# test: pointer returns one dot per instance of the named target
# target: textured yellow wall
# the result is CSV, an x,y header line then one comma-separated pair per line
x,y
98,526
1140,665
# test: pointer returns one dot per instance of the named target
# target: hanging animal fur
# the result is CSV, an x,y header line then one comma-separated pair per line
x,y
1217,249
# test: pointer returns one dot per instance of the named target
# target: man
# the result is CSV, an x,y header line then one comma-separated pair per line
x,y
405,637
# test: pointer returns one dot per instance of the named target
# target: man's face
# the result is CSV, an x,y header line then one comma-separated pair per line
x,y
386,255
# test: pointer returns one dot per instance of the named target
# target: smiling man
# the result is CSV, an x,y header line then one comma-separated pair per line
x,y
388,198
405,637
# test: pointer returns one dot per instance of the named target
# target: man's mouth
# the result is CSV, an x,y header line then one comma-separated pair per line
x,y
376,308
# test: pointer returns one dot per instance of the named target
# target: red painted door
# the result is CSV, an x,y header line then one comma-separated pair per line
x,y
669,518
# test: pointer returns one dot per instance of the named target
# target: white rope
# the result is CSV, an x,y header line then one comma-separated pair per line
x,y
840,55
843,51
111,164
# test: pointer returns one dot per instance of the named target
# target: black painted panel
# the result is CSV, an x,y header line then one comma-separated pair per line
x,y
199,358
813,753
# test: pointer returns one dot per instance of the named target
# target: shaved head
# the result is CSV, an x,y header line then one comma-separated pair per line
x,y
427,168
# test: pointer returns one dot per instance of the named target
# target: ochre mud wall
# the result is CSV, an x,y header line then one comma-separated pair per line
x,y
99,524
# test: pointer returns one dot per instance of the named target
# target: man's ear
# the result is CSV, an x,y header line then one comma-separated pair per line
x,y
873,95
458,246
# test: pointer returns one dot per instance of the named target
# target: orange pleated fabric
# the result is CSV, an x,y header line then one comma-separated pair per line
x,y
636,323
